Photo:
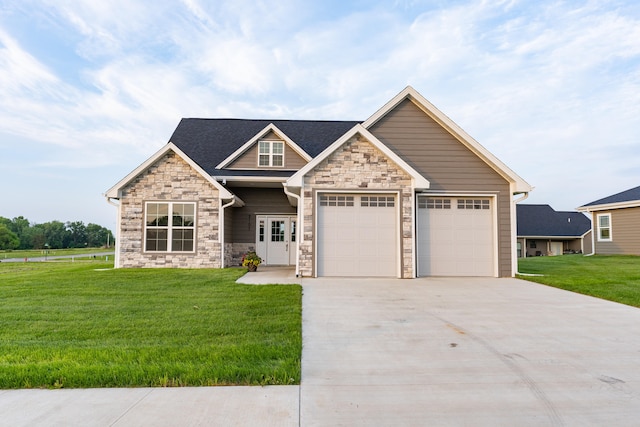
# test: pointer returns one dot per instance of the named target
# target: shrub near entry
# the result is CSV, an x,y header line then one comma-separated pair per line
x,y
68,325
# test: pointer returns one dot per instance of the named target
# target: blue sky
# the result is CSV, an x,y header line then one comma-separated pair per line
x,y
90,89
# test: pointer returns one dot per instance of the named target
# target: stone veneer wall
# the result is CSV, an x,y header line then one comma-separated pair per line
x,y
238,250
357,166
170,179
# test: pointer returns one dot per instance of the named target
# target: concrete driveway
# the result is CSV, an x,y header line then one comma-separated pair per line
x,y
476,352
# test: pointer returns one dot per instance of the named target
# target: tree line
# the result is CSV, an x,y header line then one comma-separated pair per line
x,y
19,233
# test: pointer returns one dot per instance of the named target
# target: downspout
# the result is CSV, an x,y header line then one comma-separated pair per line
x,y
515,226
299,225
116,258
221,233
593,235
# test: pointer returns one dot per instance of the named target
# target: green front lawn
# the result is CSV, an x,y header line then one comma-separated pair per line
x,y
615,278
78,325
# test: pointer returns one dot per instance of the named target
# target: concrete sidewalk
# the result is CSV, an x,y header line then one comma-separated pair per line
x,y
386,352
184,406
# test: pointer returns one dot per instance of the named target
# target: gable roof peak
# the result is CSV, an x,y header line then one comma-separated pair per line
x,y
115,191
519,184
296,179
250,143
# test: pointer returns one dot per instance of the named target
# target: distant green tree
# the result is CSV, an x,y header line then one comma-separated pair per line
x,y
22,228
98,236
54,234
8,239
76,236
5,221
73,234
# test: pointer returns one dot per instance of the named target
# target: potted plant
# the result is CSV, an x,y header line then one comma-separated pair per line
x,y
251,260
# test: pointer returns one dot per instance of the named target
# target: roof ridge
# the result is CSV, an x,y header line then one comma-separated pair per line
x,y
271,120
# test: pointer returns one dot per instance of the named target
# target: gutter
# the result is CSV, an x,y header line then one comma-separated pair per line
x,y
299,223
515,248
116,259
593,233
221,234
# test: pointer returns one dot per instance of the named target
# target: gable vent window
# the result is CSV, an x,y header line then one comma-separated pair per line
x,y
271,153
473,204
377,201
169,227
433,203
336,200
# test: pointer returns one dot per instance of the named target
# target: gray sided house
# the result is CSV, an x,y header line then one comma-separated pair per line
x,y
616,223
542,231
405,193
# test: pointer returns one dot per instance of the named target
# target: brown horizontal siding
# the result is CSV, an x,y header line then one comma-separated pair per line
x,y
625,231
588,242
257,201
447,163
249,159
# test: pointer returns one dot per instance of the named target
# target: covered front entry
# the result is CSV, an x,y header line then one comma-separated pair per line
x,y
357,235
276,239
456,236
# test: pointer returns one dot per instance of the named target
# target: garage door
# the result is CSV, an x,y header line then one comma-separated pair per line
x,y
357,235
455,236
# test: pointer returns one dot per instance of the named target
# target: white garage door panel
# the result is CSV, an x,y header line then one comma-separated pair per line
x,y
454,239
356,240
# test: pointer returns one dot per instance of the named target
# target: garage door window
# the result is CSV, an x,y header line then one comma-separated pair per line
x,y
432,203
473,204
336,200
377,201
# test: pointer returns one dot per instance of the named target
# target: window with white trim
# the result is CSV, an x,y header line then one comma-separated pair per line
x,y
271,153
604,227
170,227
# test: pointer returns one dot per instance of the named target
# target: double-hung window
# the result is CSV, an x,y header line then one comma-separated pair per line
x,y
604,227
170,226
271,153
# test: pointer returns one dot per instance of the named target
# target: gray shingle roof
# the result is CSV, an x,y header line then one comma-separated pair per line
x,y
543,220
209,141
630,195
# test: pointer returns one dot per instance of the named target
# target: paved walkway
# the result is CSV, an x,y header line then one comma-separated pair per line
x,y
444,352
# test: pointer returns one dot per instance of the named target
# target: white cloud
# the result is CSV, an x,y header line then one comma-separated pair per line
x,y
552,88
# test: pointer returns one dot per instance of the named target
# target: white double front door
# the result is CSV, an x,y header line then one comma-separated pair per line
x,y
276,239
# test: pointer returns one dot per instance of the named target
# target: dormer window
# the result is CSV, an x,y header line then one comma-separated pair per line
x,y
271,153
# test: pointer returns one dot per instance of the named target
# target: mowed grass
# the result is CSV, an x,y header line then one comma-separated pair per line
x,y
39,253
71,325
615,278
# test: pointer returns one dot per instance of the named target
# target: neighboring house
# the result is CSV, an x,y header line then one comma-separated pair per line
x,y
544,231
405,193
616,223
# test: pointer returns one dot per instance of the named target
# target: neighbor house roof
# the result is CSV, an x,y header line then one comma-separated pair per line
x,y
209,142
624,199
544,221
